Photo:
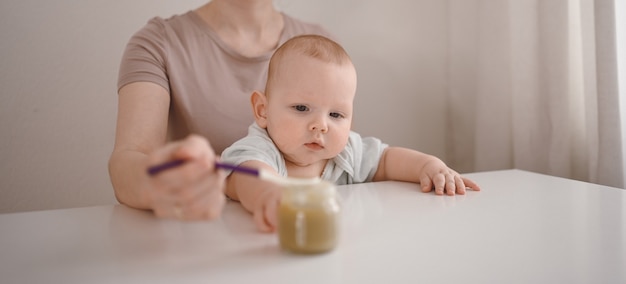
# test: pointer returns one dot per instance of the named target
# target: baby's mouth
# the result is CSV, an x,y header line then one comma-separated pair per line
x,y
314,146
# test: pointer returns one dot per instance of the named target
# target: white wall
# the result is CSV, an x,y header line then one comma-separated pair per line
x,y
620,18
58,74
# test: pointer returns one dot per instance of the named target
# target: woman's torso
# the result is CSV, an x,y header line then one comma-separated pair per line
x,y
209,83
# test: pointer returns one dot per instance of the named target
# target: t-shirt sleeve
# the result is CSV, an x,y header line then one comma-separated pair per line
x,y
145,56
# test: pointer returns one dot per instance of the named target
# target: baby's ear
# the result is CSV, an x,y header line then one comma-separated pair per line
x,y
259,107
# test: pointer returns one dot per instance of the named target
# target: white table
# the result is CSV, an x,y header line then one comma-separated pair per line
x,y
522,228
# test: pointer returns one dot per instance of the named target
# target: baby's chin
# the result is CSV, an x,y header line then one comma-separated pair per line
x,y
306,161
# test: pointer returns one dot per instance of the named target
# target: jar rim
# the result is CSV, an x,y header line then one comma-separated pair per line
x,y
323,188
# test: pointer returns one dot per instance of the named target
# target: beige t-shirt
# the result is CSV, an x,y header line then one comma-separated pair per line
x,y
209,83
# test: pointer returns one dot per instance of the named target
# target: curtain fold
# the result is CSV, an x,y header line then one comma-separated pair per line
x,y
533,85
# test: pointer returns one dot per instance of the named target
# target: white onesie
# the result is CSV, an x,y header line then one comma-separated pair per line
x,y
357,162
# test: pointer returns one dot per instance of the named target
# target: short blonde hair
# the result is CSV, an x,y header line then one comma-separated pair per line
x,y
314,46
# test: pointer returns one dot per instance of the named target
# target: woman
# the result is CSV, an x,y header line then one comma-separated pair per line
x,y
184,88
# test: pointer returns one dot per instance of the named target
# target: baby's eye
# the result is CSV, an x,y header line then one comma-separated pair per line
x,y
301,108
336,115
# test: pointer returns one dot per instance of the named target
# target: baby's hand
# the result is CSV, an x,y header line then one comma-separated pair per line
x,y
436,175
265,212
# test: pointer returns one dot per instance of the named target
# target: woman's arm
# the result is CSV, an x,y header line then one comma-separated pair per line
x,y
193,190
141,129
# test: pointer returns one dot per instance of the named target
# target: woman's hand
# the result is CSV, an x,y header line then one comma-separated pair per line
x,y
191,191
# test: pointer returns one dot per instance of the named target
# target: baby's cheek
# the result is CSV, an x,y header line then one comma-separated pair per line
x,y
340,144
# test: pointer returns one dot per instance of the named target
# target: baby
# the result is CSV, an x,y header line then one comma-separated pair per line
x,y
302,129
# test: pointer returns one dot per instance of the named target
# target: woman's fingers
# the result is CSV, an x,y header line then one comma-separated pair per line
x,y
192,190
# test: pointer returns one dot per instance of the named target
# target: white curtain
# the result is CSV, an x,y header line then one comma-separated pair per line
x,y
533,85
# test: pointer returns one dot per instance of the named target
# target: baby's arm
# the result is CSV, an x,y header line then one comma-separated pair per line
x,y
404,164
259,197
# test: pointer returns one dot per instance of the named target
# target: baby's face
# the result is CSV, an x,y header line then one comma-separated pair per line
x,y
309,109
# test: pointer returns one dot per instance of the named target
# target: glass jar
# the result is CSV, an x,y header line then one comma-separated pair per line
x,y
308,218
